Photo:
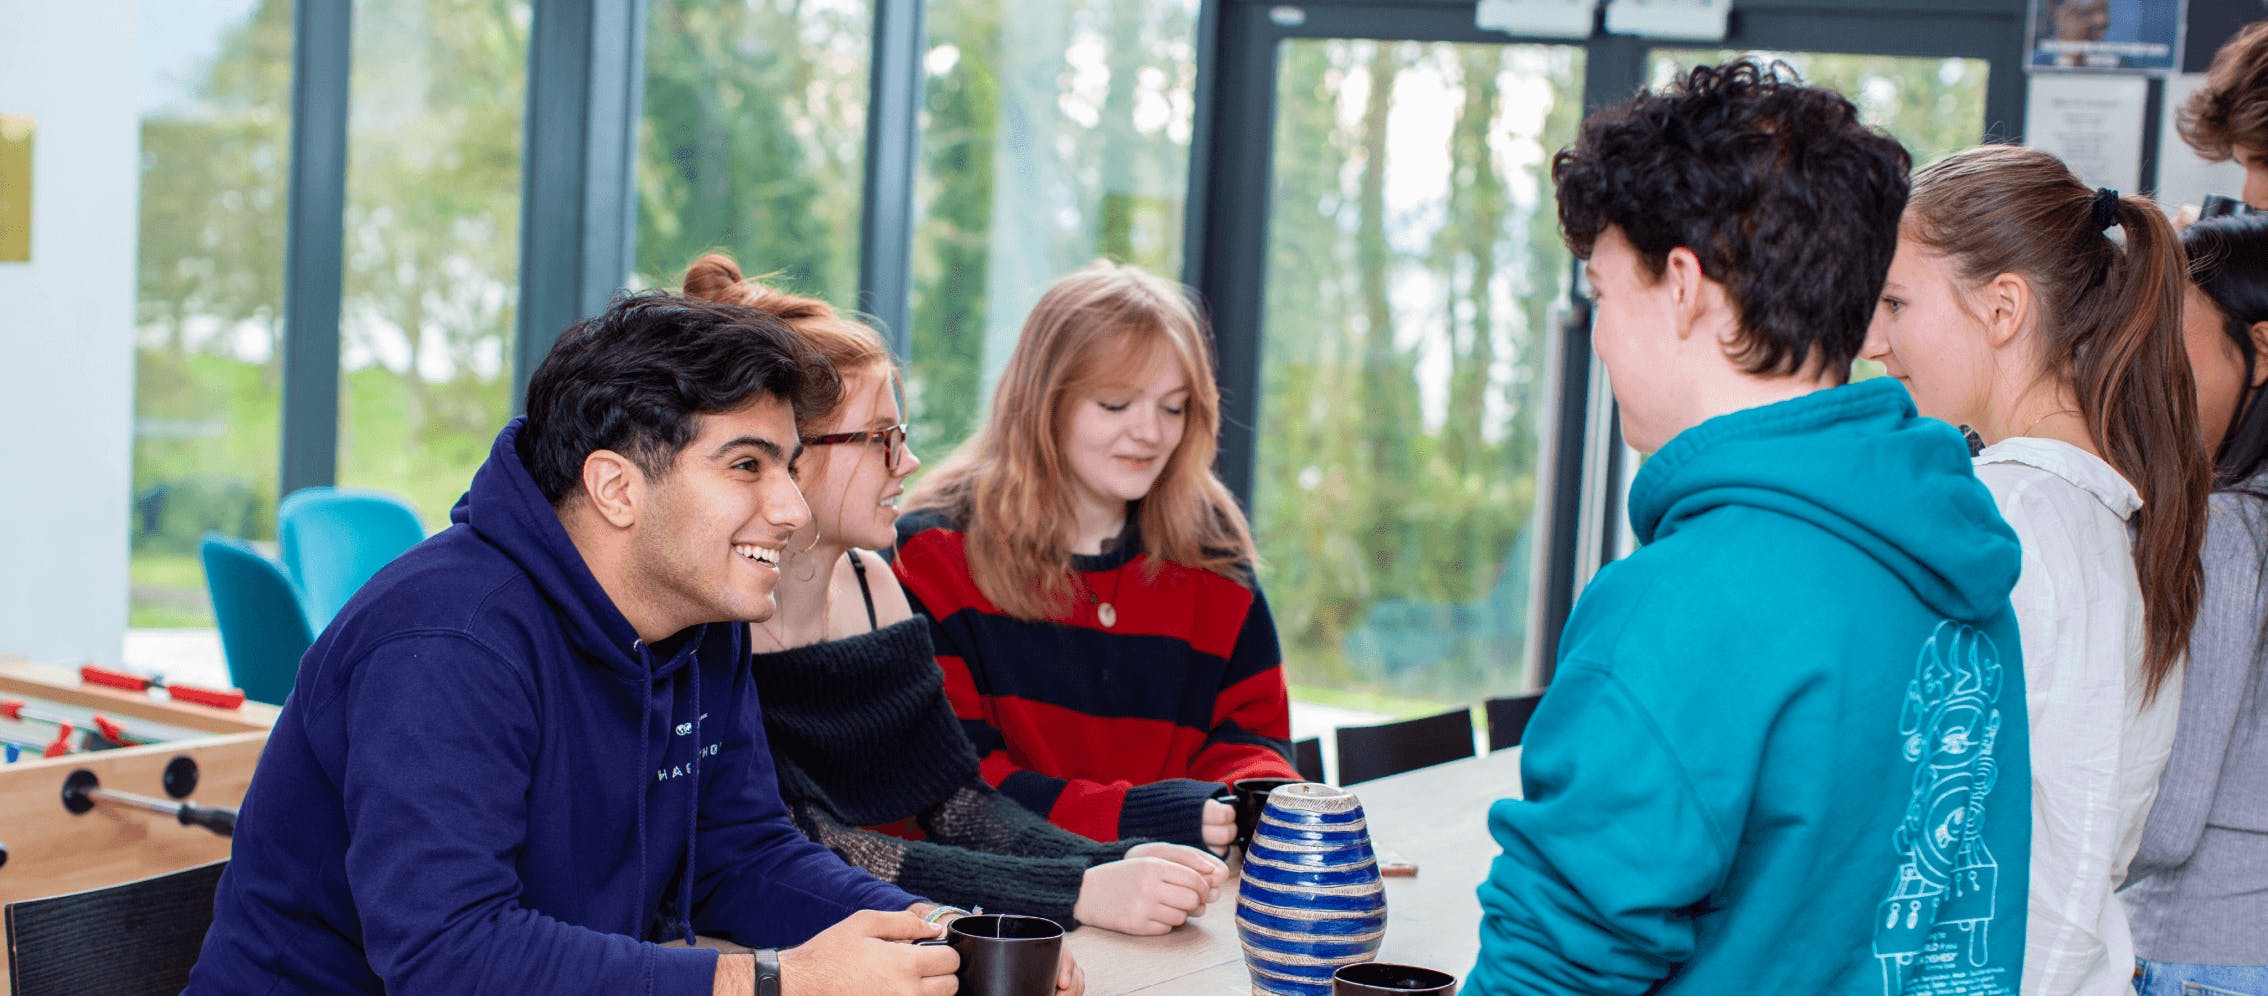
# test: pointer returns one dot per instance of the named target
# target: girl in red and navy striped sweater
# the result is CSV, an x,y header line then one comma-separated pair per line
x,y
1089,580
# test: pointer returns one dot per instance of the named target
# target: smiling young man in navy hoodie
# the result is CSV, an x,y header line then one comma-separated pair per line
x,y
1784,750
529,749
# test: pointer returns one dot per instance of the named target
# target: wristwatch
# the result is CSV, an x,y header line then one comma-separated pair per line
x,y
767,972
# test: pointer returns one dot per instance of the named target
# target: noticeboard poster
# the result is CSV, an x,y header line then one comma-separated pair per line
x,y
2092,123
2126,36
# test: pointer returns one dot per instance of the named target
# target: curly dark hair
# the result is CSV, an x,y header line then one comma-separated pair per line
x,y
1785,198
636,378
2231,109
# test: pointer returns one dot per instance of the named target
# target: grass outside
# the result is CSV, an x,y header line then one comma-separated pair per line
x,y
1396,707
168,592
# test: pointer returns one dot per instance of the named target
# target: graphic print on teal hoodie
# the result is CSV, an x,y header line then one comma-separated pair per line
x,y
1784,751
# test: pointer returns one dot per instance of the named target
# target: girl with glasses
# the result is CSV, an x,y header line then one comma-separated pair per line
x,y
860,729
2010,308
1090,581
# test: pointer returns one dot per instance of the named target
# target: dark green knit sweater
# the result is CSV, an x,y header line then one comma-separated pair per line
x,y
862,736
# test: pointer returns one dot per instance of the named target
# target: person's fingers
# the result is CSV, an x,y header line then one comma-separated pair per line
x,y
931,960
893,925
1177,898
944,985
1218,835
1184,877
1192,859
1217,813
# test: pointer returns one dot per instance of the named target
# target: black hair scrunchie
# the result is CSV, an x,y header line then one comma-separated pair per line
x,y
2106,209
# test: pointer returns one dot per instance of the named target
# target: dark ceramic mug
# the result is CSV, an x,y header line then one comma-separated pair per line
x,y
1004,954
1377,978
1249,796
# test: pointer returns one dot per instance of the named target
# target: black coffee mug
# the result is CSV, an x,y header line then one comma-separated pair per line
x,y
1005,955
1375,978
1250,796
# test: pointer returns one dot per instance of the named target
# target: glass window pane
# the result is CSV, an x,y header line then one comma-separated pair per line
x,y
1415,271
434,125
216,94
753,140
1935,106
1054,132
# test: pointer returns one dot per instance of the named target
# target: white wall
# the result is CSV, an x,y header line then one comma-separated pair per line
x,y
66,331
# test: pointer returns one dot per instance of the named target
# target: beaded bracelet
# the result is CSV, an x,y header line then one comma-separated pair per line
x,y
943,910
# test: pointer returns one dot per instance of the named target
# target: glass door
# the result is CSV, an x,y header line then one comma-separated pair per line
x,y
1413,267
1411,414
1380,248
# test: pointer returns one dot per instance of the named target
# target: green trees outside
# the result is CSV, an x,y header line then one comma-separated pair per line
x,y
1934,106
432,247
1414,267
753,140
209,310
1414,270
1053,133
431,291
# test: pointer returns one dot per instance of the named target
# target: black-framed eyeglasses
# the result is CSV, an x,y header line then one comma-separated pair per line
x,y
892,438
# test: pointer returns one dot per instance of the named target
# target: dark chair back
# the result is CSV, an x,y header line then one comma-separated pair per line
x,y
1307,756
1508,717
1367,752
140,937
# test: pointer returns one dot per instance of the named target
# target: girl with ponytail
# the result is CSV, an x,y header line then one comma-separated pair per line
x,y
2011,307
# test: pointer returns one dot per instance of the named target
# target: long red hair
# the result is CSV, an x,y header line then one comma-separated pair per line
x,y
1006,485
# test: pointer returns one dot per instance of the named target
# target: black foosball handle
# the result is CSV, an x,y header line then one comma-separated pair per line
x,y
213,818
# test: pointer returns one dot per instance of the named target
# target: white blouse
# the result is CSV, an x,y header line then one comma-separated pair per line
x,y
2097,749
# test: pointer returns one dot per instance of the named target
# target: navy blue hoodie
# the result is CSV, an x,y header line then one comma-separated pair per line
x,y
484,781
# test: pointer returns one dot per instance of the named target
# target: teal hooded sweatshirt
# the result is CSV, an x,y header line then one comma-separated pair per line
x,y
1784,751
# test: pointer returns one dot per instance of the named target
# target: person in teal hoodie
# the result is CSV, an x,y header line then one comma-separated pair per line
x,y
1784,749
530,747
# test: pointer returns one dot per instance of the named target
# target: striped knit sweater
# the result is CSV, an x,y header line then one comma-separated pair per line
x,y
1112,732
861,735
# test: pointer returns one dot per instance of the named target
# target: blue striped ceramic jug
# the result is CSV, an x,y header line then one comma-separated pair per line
x,y
1311,900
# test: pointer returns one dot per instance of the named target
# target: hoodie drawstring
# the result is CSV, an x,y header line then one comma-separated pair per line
x,y
645,751
692,804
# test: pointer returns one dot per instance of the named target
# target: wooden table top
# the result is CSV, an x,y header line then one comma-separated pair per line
x,y
1436,817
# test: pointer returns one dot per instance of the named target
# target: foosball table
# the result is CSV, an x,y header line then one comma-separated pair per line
x,y
103,783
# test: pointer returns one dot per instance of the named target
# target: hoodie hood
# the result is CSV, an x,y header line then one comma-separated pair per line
x,y
1850,461
505,508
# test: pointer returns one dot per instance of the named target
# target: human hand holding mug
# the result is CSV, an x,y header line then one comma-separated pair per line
x,y
865,954
1007,955
1217,823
